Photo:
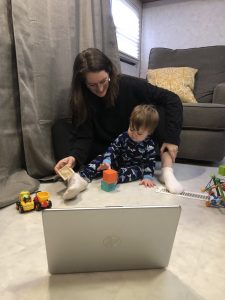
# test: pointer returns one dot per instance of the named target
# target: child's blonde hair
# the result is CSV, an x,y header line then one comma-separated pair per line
x,y
144,116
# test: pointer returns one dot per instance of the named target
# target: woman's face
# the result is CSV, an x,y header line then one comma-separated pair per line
x,y
98,82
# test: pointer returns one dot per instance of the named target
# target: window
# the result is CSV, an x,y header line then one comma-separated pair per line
x,y
126,17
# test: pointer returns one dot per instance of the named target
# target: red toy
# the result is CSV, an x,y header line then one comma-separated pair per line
x,y
41,200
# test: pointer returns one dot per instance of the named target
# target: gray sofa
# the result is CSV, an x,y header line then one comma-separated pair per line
x,y
203,133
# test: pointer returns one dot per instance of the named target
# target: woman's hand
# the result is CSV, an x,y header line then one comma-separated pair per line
x,y
147,182
69,161
171,148
103,166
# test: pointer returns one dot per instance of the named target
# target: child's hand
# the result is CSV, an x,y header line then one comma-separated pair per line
x,y
103,166
147,182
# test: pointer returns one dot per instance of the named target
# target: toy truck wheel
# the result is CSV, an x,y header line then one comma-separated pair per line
x,y
49,203
21,209
17,205
38,206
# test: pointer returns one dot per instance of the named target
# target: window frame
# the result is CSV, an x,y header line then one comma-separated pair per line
x,y
125,57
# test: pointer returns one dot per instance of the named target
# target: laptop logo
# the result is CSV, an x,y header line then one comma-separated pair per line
x,y
111,241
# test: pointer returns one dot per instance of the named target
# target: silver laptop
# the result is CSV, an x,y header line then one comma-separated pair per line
x,y
109,238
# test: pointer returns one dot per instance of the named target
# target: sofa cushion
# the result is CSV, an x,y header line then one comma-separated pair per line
x,y
178,80
210,62
219,94
204,116
203,145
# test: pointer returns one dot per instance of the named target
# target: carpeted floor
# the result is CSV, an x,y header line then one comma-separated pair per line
x,y
195,271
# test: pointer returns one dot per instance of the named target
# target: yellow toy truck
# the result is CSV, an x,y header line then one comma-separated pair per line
x,y
25,202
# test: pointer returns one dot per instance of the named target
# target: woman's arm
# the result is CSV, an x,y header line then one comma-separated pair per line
x,y
71,145
81,142
173,111
136,91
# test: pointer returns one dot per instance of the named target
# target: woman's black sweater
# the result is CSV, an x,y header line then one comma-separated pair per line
x,y
106,124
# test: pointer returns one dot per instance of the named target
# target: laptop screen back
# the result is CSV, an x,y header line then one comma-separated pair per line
x,y
110,238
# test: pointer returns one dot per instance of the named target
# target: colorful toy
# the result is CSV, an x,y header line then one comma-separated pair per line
x,y
41,200
215,189
222,170
109,181
27,203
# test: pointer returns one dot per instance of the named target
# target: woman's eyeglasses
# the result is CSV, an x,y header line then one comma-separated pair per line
x,y
99,84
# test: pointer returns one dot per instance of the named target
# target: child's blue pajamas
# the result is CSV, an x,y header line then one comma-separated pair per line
x,y
131,159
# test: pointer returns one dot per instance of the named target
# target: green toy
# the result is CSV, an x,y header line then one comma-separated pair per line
x,y
222,170
108,187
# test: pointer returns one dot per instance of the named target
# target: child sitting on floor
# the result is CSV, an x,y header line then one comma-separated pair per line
x,y
132,154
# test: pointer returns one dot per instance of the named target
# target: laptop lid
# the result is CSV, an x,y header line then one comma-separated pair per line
x,y
109,238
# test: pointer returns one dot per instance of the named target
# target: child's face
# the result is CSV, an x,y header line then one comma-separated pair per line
x,y
138,135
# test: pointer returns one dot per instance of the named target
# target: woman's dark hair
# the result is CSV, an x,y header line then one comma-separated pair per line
x,y
90,60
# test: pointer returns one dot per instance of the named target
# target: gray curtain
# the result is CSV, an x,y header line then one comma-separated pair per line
x,y
39,41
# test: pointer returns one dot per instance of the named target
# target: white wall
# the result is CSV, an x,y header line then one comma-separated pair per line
x,y
181,24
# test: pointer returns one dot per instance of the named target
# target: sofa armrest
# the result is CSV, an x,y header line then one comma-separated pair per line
x,y
219,94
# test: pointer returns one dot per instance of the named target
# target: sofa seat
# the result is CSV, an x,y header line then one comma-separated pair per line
x,y
208,116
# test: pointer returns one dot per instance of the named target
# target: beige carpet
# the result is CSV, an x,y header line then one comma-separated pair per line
x,y
195,271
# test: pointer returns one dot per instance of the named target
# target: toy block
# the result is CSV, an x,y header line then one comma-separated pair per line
x,y
222,170
66,172
108,187
110,176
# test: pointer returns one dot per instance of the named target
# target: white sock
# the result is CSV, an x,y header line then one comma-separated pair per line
x,y
76,184
171,183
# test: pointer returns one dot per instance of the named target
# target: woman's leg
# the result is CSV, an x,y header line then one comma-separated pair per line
x,y
66,142
167,174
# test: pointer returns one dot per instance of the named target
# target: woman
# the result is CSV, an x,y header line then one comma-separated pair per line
x,y
101,103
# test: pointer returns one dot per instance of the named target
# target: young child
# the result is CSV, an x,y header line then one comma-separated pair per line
x,y
132,154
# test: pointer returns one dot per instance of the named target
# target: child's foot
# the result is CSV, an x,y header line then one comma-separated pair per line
x,y
171,183
76,184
